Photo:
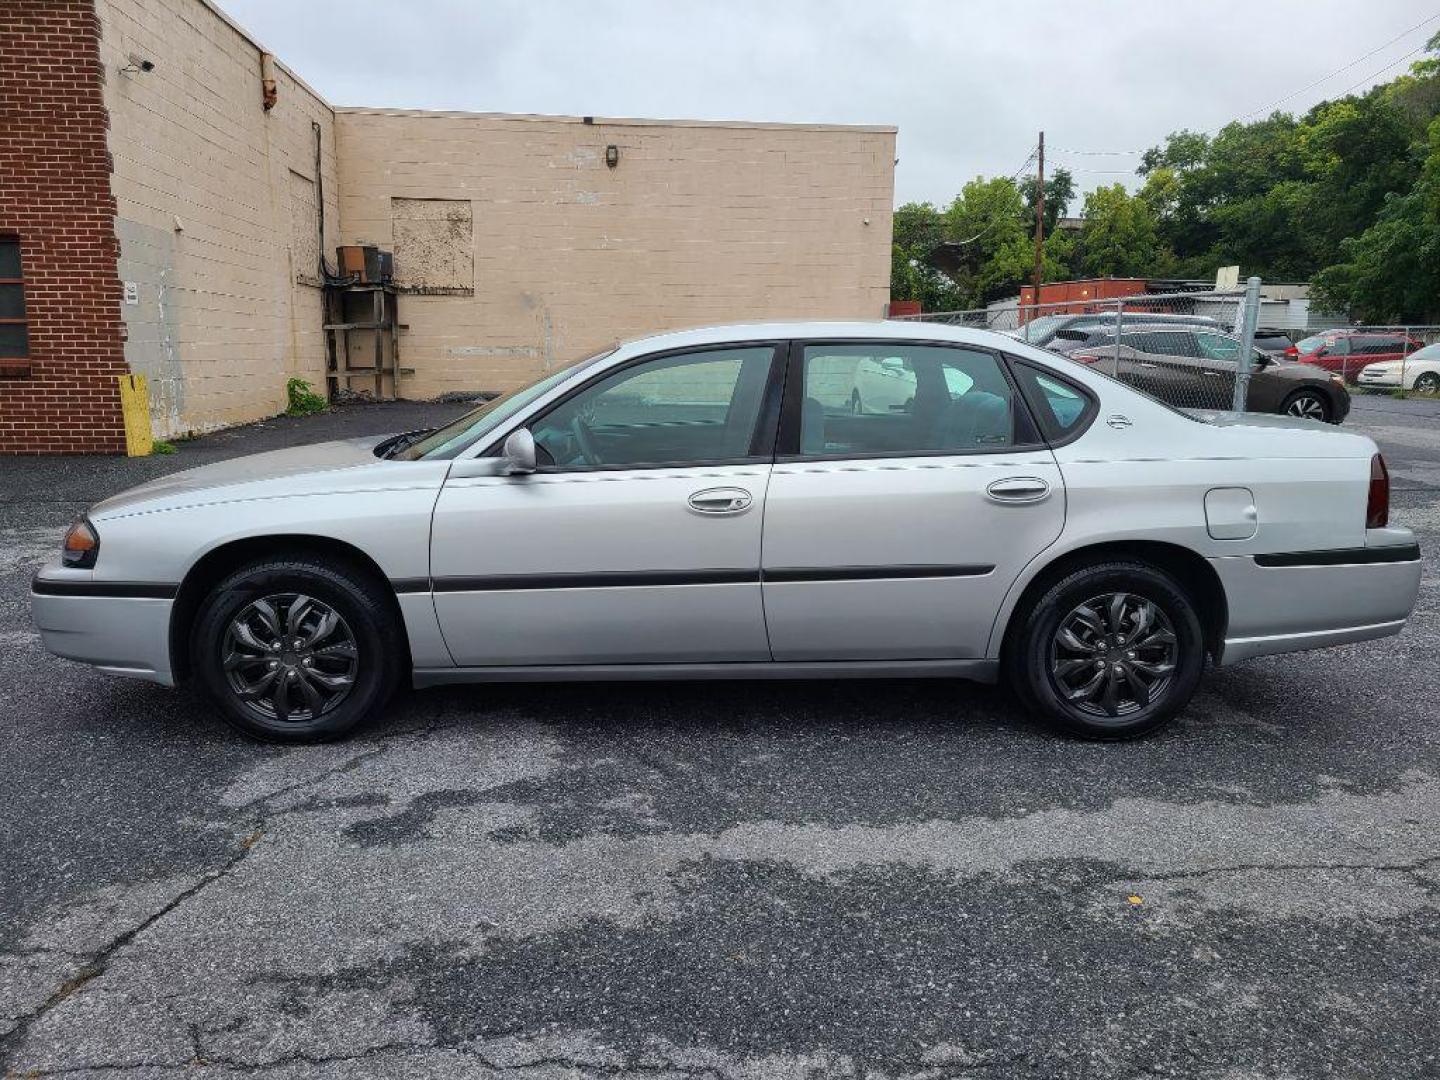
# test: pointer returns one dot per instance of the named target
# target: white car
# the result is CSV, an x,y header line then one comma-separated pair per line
x,y
1420,371
706,504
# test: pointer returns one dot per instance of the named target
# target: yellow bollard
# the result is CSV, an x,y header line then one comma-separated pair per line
x,y
135,406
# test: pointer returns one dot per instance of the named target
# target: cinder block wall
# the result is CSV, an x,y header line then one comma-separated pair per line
x,y
216,214
55,197
521,248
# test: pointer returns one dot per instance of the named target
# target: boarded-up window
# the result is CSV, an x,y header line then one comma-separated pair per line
x,y
434,245
304,229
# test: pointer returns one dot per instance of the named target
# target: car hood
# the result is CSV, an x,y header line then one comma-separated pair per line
x,y
347,464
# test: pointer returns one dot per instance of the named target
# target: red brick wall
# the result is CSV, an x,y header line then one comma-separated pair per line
x,y
55,196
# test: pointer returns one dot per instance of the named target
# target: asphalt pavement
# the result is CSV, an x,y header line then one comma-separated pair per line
x,y
812,879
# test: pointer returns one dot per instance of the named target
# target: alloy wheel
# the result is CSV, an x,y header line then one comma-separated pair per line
x,y
1307,406
1428,383
1113,655
289,658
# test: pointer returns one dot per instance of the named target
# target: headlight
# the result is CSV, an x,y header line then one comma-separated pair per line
x,y
80,546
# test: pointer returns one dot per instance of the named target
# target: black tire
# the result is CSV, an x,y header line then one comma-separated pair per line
x,y
366,625
1309,404
1427,382
1034,653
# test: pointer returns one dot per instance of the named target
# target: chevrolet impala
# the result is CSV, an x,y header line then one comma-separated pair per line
x,y
710,504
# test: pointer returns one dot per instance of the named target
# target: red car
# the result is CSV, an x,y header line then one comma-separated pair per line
x,y
1345,352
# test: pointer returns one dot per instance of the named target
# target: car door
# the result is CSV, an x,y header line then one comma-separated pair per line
x,y
1159,362
896,535
638,538
1220,360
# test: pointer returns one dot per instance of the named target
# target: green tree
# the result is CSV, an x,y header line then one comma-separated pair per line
x,y
1059,194
1120,235
1390,273
919,229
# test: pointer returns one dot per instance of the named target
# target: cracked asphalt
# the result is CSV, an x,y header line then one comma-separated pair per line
x,y
907,880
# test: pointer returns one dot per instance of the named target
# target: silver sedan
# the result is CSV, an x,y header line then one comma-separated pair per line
x,y
723,504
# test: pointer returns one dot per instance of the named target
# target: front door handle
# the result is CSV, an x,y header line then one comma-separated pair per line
x,y
721,500
1018,489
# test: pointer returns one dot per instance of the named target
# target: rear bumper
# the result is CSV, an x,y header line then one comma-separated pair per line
x,y
1310,600
120,635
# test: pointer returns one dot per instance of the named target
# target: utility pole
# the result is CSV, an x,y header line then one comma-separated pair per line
x,y
1039,225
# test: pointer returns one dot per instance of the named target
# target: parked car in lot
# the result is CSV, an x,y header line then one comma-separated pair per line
x,y
1275,344
1347,352
1192,367
1420,371
1019,515
1048,330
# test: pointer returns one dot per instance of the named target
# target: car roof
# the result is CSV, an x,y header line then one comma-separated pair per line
x,y
903,330
1127,327
1153,316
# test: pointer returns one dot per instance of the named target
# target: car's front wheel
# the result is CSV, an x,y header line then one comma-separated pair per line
x,y
1427,382
1110,651
298,650
1308,405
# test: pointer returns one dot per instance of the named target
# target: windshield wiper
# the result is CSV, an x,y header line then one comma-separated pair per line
x,y
400,442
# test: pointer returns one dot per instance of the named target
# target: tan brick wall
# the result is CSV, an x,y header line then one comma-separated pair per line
x,y
697,224
207,184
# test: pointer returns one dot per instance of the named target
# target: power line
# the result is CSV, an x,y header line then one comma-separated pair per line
x,y
1360,60
1034,150
1382,71
1294,94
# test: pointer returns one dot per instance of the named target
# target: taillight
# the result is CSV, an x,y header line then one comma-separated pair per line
x,y
1377,507
1084,357
1291,351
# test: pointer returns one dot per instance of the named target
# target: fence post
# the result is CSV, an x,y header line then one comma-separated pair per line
x,y
1247,344
1119,318
1404,356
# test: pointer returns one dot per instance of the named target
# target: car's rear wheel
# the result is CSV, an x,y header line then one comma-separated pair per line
x,y
1427,382
1308,405
1110,651
298,650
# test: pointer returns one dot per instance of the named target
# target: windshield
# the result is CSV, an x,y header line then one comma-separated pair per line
x,y
1310,344
447,441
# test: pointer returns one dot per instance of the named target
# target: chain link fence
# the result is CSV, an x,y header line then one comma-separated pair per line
x,y
1182,348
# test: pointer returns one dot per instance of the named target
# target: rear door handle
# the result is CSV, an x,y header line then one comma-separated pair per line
x,y
721,500
1018,489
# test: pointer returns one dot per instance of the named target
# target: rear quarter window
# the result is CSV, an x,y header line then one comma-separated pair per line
x,y
1063,409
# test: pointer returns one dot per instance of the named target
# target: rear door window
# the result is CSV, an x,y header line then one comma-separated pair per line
x,y
900,399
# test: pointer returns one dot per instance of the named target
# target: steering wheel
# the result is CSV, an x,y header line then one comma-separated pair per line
x,y
585,441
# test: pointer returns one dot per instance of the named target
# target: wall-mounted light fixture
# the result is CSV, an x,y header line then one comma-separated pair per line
x,y
612,155
137,64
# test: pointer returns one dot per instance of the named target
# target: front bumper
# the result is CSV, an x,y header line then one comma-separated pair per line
x,y
1378,378
119,634
1317,599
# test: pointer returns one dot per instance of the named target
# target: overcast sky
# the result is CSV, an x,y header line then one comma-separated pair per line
x,y
968,84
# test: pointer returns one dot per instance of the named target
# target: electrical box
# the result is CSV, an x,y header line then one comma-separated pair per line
x,y
365,263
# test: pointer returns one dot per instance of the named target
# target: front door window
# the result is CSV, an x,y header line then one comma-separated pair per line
x,y
686,409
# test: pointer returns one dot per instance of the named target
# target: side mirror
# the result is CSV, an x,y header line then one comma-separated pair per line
x,y
518,453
